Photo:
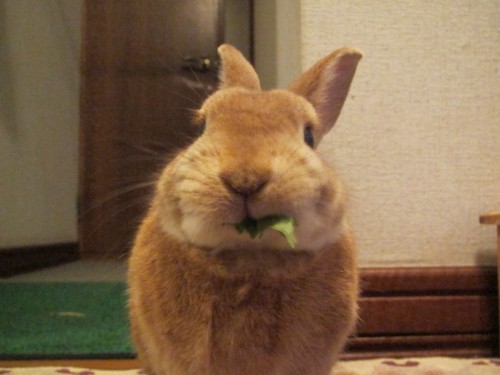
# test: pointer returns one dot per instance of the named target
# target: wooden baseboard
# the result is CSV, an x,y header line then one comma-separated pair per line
x,y
29,258
460,345
95,364
428,281
427,311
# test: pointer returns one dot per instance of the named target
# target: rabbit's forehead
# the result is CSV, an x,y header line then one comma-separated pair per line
x,y
227,104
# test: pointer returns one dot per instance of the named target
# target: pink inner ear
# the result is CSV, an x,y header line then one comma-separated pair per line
x,y
236,71
327,84
332,91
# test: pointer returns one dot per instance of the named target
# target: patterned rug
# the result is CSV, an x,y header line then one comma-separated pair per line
x,y
410,366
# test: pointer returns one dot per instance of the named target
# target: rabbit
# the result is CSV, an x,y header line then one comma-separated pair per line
x,y
206,299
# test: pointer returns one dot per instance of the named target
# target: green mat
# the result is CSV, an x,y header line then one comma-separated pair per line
x,y
87,320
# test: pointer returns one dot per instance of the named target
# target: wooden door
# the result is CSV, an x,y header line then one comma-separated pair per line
x,y
136,99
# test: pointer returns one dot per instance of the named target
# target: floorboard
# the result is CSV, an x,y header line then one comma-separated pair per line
x,y
99,364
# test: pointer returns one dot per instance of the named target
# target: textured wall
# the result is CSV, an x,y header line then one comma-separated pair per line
x,y
39,83
418,142
277,34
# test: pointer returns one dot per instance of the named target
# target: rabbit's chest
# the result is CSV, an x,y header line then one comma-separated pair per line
x,y
256,322
247,317
257,327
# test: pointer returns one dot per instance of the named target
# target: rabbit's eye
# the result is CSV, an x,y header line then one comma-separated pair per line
x,y
199,123
308,136
198,129
201,128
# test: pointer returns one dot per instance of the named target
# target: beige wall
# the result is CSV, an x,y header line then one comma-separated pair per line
x,y
39,56
418,142
277,42
237,25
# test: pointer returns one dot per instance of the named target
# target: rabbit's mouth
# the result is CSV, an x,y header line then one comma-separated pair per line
x,y
256,227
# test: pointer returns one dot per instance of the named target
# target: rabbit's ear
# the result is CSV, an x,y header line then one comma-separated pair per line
x,y
327,83
236,70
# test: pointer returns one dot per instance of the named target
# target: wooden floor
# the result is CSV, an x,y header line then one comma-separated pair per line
x,y
97,364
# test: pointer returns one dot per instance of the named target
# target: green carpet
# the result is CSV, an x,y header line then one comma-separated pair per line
x,y
64,320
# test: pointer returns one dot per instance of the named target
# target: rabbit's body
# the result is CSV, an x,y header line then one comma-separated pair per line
x,y
290,319
205,299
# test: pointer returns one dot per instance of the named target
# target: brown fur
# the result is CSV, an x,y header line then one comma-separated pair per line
x,y
207,300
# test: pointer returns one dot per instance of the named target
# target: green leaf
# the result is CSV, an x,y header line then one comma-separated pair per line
x,y
282,224
249,225
286,227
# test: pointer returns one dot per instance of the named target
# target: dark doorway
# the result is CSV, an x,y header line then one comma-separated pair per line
x,y
145,66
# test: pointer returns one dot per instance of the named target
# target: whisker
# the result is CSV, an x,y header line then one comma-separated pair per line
x,y
201,97
136,201
188,98
126,228
205,91
114,195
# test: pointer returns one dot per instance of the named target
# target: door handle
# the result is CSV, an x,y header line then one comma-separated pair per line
x,y
197,64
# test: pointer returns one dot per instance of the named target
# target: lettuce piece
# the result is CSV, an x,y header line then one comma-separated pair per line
x,y
282,224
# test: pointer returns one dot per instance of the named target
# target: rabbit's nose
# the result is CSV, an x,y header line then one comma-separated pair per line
x,y
245,181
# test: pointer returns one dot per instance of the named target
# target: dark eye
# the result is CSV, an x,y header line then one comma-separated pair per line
x,y
200,128
308,136
198,122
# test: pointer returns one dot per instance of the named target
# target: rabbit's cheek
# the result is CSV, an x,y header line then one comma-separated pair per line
x,y
206,200
314,235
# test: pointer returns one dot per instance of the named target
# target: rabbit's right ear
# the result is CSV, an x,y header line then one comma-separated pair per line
x,y
327,83
236,70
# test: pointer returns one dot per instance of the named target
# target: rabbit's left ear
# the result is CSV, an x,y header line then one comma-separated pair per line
x,y
236,70
327,83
